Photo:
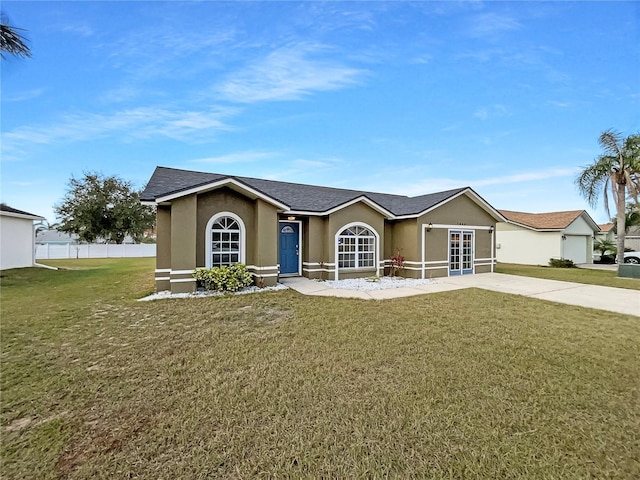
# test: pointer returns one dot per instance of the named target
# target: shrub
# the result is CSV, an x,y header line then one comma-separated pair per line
x,y
225,278
606,259
561,263
396,263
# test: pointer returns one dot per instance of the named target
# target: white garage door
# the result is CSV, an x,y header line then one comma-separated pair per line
x,y
575,248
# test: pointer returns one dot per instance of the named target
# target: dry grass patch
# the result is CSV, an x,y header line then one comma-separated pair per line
x,y
464,384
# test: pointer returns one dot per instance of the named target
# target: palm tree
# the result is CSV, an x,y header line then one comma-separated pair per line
x,y
603,246
616,171
631,217
11,40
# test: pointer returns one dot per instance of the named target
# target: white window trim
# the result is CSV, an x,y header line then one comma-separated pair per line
x,y
208,240
376,262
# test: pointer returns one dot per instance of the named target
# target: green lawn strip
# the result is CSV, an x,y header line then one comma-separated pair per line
x,y
462,384
606,278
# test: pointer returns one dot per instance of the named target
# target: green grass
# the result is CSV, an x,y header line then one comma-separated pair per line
x,y
463,384
607,278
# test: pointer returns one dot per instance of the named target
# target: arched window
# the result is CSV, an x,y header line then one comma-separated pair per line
x,y
225,240
356,247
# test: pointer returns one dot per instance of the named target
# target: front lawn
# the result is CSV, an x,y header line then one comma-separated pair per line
x,y
463,384
607,278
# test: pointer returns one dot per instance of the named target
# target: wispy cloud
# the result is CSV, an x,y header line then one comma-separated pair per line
x,y
25,95
422,60
558,104
306,164
238,157
125,125
121,94
491,111
489,24
288,73
80,29
439,184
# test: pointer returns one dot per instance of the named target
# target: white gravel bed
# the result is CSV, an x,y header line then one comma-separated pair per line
x,y
200,294
381,283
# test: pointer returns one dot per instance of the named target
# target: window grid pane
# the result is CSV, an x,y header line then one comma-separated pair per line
x,y
356,248
225,242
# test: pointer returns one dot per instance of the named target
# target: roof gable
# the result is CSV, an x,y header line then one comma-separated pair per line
x,y
167,184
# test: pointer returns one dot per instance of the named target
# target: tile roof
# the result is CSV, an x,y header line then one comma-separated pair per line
x,y
15,211
543,221
605,227
298,197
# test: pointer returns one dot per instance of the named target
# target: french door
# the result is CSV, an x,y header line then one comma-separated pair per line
x,y
460,252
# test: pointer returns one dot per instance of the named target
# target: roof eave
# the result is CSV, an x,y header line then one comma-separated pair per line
x,y
21,215
232,183
362,198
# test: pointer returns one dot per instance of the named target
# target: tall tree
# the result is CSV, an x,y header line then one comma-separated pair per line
x,y
631,217
615,172
107,208
12,41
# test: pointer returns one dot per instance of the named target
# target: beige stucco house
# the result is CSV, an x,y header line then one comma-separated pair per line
x,y
535,238
606,232
17,237
285,229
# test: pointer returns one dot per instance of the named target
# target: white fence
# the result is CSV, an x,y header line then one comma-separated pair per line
x,y
94,250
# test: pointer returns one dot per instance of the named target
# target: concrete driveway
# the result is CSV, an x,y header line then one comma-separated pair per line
x,y
611,299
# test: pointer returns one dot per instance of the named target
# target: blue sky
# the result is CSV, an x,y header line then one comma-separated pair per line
x,y
398,97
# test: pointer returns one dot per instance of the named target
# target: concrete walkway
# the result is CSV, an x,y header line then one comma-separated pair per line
x,y
617,300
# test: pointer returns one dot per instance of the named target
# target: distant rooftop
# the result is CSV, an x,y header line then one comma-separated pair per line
x,y
543,221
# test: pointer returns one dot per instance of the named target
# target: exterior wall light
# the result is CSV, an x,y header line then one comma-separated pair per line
x,y
491,228
429,227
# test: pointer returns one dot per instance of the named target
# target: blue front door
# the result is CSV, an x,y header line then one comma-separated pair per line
x,y
289,248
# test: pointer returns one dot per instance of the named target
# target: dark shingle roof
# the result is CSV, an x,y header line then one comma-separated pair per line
x,y
298,197
8,209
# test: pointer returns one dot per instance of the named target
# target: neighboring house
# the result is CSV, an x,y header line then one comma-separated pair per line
x,y
606,233
55,237
535,238
286,229
632,238
17,244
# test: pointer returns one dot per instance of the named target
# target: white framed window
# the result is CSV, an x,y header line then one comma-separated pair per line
x,y
225,240
356,247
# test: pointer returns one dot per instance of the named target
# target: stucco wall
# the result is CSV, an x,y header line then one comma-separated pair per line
x,y
17,242
518,245
226,200
406,239
314,251
579,227
263,238
183,243
460,213
163,247
360,213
